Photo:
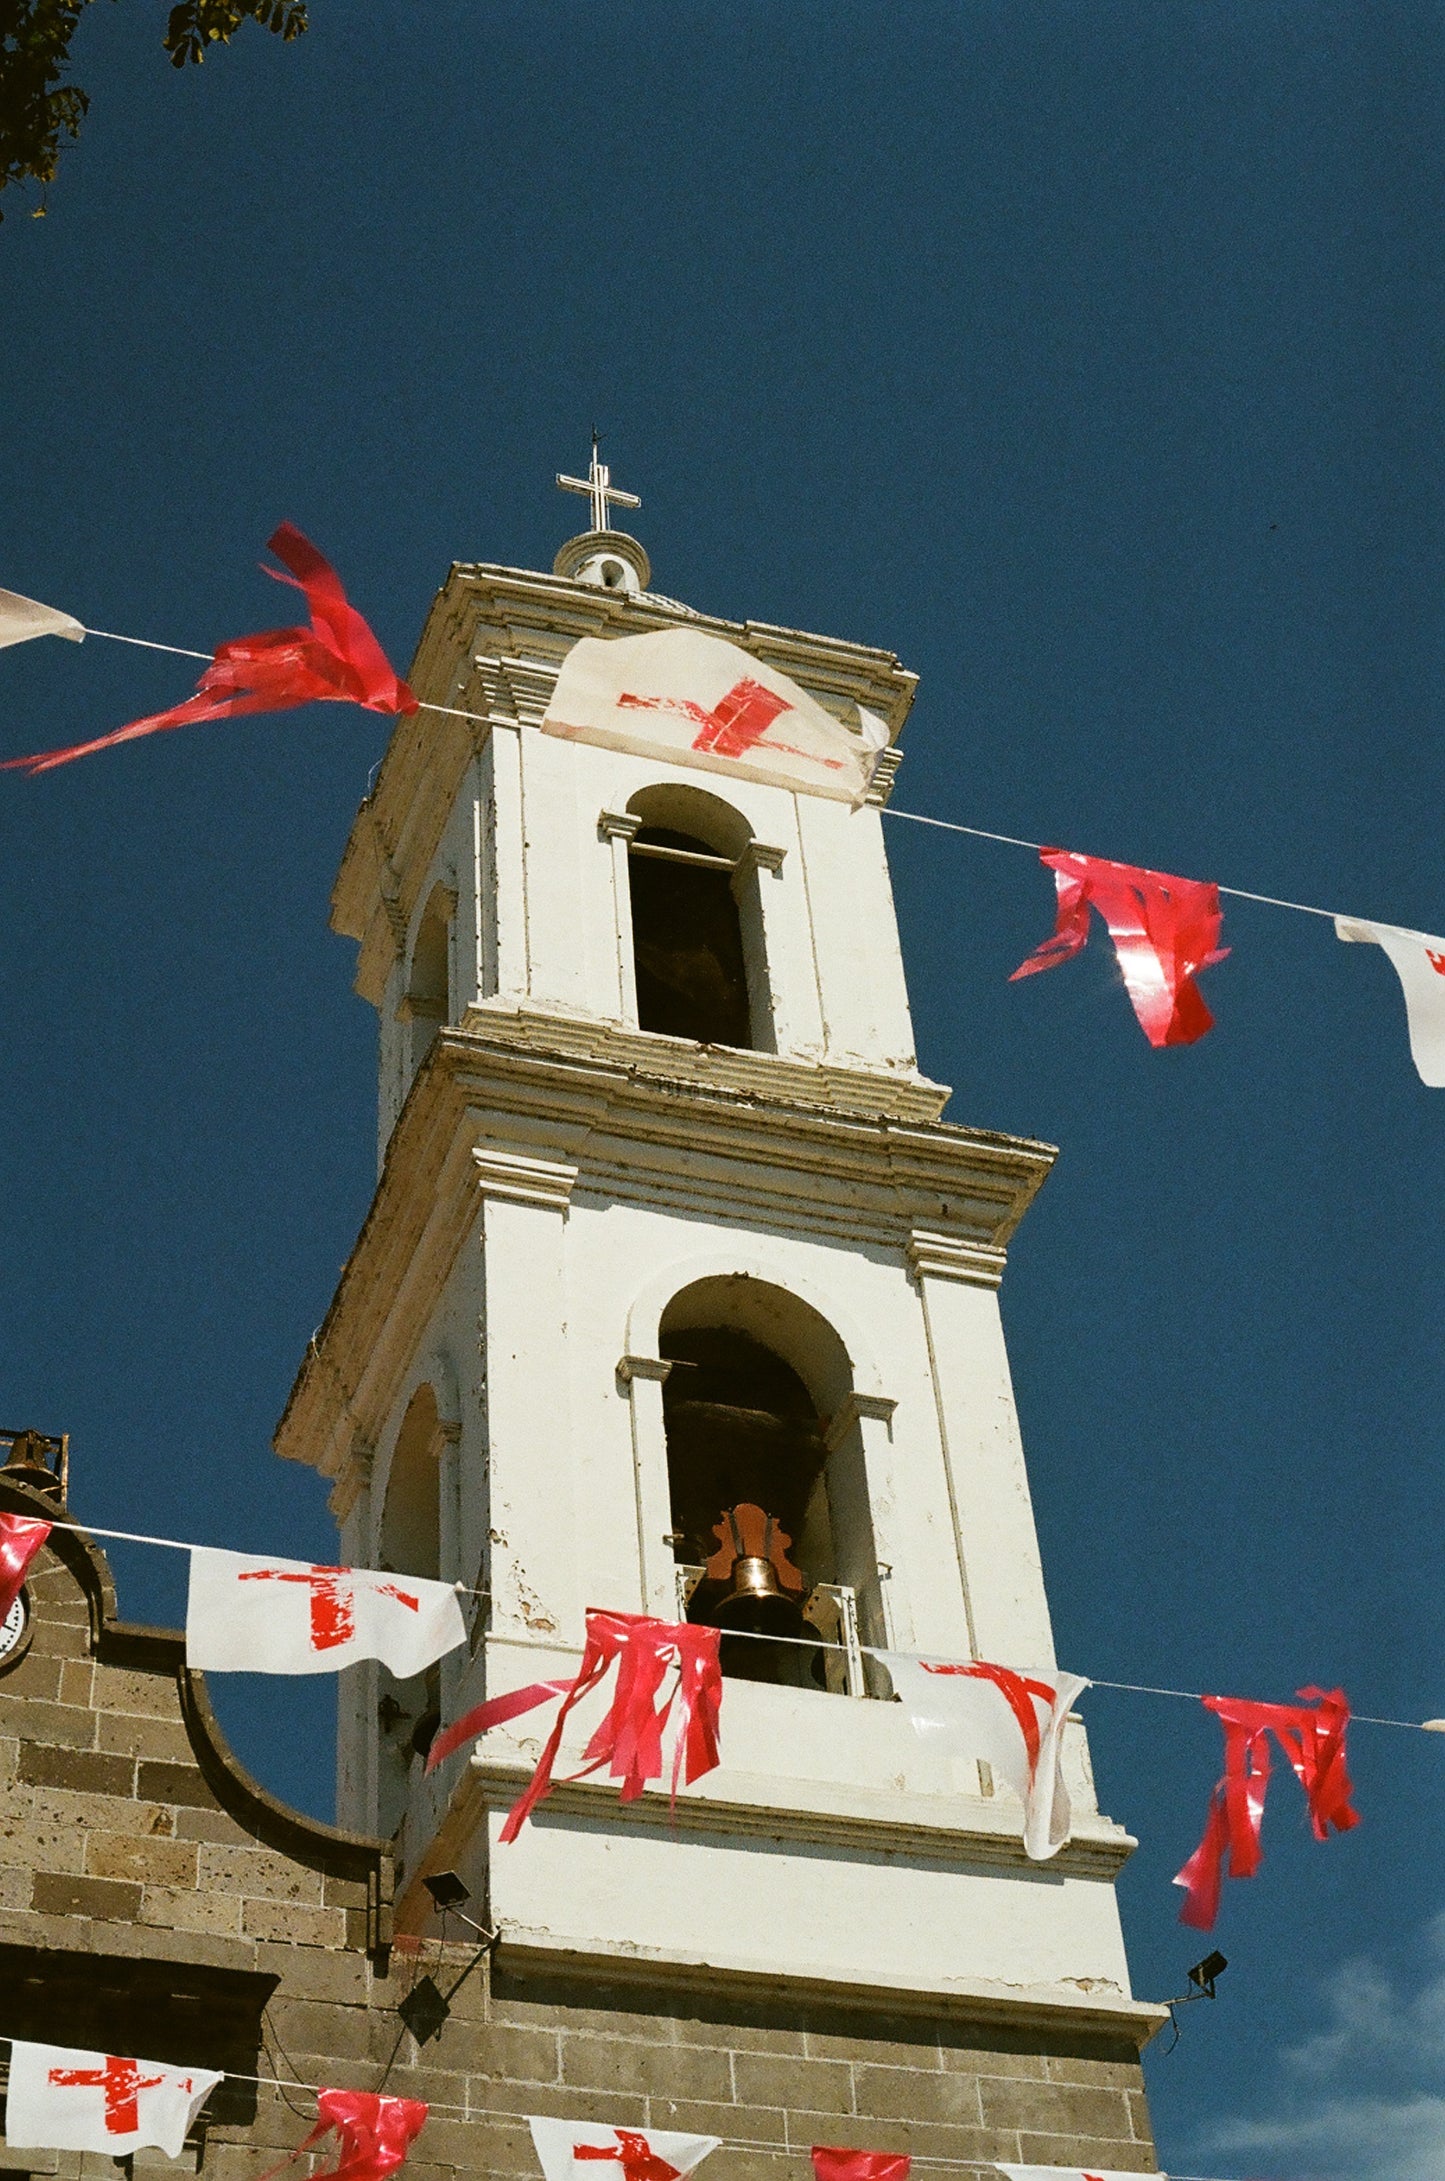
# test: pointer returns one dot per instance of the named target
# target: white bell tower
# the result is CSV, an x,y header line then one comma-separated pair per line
x,y
667,1222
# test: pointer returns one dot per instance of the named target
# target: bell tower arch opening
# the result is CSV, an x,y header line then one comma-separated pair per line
x,y
766,1499
696,932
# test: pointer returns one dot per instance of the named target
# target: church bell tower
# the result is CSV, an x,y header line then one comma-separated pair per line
x,y
676,1296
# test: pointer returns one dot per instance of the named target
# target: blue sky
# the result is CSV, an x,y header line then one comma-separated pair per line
x,y
1089,356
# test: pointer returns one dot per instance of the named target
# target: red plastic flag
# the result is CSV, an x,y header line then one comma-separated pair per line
x,y
1165,930
1312,1736
830,2165
21,1537
337,659
629,1740
373,2134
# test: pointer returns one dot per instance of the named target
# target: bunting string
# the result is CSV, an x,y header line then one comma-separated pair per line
x,y
472,2111
913,817
807,1643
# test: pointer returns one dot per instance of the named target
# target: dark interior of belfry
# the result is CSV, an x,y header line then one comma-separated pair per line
x,y
745,1457
687,941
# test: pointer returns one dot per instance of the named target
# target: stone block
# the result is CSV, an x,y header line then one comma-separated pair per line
x,y
1088,2074
213,1825
150,1696
294,1923
1139,2118
86,1771
108,1900
9,1758
748,2123
343,1978
614,2109
521,2056
259,1874
171,1909
880,2043
691,2072
1102,2156
306,2025
150,1862
38,1841
740,2037
174,1783
907,2093
139,1737
1055,2109
14,1885
343,1892
77,1681
969,2060
64,1635
36,1675
62,1726
823,2086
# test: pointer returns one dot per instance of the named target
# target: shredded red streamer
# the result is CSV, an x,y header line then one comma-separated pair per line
x,y
1165,930
21,1537
373,2134
629,1740
830,2165
337,659
1312,1736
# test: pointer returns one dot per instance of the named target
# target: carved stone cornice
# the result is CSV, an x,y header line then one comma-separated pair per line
x,y
493,1113
955,1257
519,1179
653,1367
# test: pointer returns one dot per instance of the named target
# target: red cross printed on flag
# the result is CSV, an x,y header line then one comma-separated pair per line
x,y
639,2161
121,2081
1437,961
739,719
333,1599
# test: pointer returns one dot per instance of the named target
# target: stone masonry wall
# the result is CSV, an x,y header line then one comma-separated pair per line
x,y
155,1901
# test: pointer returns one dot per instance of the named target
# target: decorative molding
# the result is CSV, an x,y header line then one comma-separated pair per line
x,y
757,856
883,775
618,825
515,1178
856,1409
952,1257
630,1367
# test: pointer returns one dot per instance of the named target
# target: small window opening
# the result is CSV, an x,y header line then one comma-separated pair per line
x,y
428,989
746,1459
409,1712
687,943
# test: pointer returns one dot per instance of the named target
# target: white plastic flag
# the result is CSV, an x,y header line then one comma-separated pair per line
x,y
1012,1718
1419,960
571,2150
691,699
63,2100
1073,2173
248,1615
22,618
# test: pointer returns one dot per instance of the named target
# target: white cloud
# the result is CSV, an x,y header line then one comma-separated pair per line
x,y
1363,2099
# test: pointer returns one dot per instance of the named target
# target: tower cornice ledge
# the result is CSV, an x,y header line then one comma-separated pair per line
x,y
558,1109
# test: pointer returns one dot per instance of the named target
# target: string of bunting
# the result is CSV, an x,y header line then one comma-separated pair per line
x,y
62,2098
1165,929
248,1613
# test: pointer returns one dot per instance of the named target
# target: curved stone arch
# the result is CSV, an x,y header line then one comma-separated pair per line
x,y
772,1272
679,807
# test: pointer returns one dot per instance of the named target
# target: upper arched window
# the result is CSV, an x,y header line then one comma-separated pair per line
x,y
689,946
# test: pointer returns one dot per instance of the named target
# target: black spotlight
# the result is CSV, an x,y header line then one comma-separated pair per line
x,y
447,1890
1203,1974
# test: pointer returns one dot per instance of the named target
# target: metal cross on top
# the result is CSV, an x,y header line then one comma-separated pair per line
x,y
599,489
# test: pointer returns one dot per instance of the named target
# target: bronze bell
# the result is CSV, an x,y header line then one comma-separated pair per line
x,y
764,1596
